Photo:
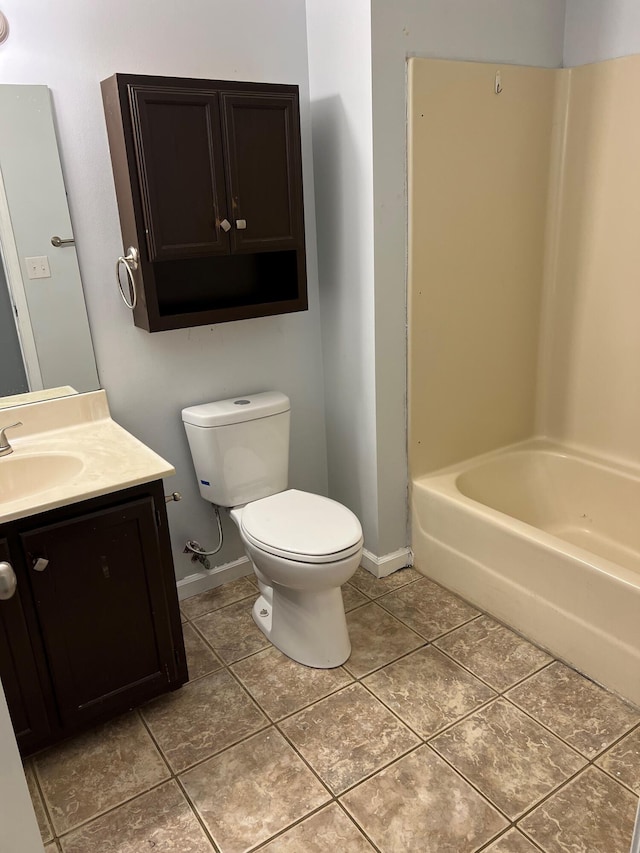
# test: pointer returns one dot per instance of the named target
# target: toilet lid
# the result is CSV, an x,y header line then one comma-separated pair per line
x,y
302,526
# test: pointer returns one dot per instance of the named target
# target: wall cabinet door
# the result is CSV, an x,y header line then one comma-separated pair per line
x,y
180,171
262,168
20,679
102,609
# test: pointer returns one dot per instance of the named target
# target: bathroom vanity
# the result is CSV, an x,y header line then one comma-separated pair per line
x,y
93,627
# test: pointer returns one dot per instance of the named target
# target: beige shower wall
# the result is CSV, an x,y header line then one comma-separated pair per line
x,y
479,166
590,367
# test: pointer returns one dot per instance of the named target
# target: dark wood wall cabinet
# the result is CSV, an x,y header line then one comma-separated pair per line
x,y
93,627
208,177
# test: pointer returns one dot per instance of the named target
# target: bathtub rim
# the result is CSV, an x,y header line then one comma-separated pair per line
x,y
444,482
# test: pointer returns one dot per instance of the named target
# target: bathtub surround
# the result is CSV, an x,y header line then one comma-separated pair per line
x,y
590,388
524,250
521,317
479,170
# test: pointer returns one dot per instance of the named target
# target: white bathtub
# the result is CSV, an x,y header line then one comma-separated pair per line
x,y
546,539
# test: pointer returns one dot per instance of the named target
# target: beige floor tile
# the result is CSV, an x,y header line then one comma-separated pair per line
x,y
512,842
217,597
352,598
347,736
38,805
202,718
428,608
586,716
374,587
95,771
231,631
328,829
160,820
200,659
420,804
252,791
622,761
51,848
376,639
512,760
493,652
428,690
281,686
592,814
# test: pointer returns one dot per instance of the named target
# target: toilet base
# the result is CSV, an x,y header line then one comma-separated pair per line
x,y
308,627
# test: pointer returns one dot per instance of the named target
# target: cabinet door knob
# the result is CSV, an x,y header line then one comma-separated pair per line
x,y
225,225
241,224
8,582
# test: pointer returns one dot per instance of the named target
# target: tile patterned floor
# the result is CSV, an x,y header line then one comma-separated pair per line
x,y
444,732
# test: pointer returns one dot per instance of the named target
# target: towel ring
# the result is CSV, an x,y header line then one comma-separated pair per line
x,y
130,261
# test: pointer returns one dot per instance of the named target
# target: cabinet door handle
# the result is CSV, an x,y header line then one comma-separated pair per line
x,y
8,581
225,225
241,224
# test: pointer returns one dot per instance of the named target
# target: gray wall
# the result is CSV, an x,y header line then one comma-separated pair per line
x,y
149,378
601,29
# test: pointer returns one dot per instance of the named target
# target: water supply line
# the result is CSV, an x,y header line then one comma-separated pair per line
x,y
198,554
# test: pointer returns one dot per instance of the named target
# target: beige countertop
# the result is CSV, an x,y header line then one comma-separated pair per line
x,y
103,456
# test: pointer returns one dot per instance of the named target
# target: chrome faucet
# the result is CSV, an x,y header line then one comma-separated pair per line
x,y
5,447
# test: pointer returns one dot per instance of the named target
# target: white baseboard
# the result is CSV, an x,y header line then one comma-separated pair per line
x,y
383,566
202,581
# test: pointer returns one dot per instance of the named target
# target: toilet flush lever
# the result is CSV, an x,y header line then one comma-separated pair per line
x,y
174,496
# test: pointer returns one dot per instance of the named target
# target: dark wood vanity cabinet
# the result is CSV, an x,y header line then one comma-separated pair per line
x,y
208,178
94,627
19,667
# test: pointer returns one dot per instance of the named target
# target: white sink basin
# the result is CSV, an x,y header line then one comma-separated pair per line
x,y
22,474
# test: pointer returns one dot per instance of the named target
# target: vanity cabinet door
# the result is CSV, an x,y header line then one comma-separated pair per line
x,y
18,669
102,608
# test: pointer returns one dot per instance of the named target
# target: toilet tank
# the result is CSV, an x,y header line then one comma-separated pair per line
x,y
240,447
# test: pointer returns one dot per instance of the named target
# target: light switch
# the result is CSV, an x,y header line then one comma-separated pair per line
x,y
38,267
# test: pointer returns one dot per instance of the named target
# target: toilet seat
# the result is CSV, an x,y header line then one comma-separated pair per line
x,y
303,527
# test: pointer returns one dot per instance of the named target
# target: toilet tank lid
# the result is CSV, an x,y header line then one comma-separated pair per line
x,y
236,410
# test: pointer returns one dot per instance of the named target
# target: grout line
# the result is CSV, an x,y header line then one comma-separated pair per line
x,y
40,793
196,814
101,814
496,838
358,827
291,714
154,741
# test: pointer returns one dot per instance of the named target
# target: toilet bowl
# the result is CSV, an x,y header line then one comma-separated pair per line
x,y
302,546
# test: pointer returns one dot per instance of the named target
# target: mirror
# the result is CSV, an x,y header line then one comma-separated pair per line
x,y
45,341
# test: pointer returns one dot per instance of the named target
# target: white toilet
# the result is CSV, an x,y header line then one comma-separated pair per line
x,y
303,547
